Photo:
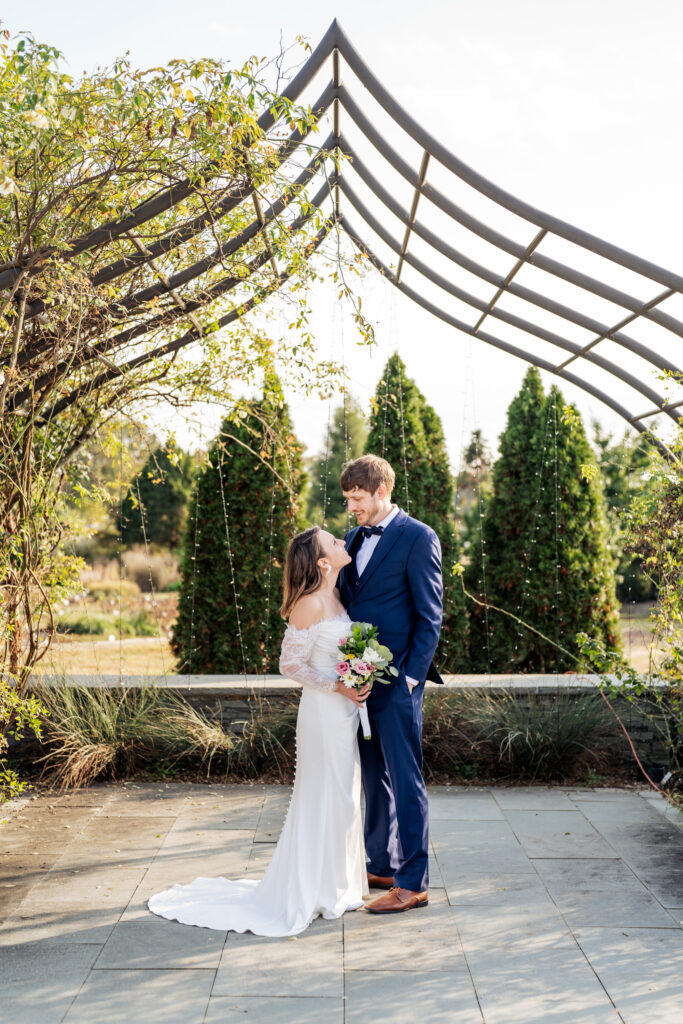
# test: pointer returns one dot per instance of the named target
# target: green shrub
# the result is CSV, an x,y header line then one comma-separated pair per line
x,y
95,732
407,432
18,714
246,507
543,555
154,508
113,588
532,737
102,624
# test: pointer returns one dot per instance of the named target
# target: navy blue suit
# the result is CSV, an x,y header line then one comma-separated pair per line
x,y
401,592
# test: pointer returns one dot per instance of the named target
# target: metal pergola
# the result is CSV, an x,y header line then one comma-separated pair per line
x,y
518,298
567,358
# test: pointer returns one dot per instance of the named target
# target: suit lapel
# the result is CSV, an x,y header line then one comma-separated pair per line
x,y
382,549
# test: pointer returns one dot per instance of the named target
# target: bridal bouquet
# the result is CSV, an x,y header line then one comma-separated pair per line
x,y
364,661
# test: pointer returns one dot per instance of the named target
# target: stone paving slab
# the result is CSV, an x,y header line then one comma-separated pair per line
x,y
142,997
548,905
305,965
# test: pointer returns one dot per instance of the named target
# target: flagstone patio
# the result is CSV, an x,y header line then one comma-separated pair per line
x,y
547,906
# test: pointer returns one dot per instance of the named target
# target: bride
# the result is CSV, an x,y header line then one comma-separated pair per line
x,y
318,866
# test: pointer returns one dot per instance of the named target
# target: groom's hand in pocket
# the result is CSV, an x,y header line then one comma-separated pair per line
x,y
411,683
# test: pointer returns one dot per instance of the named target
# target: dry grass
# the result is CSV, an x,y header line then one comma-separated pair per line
x,y
93,732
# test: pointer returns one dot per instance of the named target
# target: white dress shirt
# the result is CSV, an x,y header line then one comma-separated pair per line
x,y
368,544
364,554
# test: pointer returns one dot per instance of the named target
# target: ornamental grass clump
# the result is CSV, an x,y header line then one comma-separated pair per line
x,y
94,730
533,737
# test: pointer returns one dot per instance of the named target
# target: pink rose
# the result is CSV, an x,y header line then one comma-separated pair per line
x,y
343,667
362,668
343,642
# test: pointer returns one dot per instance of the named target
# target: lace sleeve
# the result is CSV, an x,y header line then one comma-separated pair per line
x,y
296,650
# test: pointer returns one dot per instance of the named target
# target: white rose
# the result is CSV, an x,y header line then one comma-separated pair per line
x,y
7,186
37,117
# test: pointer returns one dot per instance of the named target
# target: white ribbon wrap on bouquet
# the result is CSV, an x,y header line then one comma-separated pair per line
x,y
364,721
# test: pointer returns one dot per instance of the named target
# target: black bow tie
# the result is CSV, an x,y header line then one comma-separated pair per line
x,y
369,531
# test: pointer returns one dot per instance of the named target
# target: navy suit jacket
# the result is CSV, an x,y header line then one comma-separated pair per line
x,y
400,591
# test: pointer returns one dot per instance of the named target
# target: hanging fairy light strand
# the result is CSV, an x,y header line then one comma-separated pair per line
x,y
231,564
155,608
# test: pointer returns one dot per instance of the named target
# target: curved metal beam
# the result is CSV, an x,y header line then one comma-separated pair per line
x,y
509,318
487,188
520,291
495,238
498,342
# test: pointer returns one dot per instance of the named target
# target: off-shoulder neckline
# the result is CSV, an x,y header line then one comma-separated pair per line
x,y
307,629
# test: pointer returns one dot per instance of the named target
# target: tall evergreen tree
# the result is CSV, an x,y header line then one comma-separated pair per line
x,y
155,504
544,554
626,465
473,486
347,432
407,432
247,505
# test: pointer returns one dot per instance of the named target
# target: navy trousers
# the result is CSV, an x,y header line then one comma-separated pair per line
x,y
396,809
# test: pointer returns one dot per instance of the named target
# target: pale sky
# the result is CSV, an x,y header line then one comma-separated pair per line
x,y
572,106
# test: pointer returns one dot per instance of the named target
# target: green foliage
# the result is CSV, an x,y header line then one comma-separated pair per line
x,y
346,440
100,624
472,490
246,508
94,730
539,739
544,555
407,432
654,532
112,186
154,508
18,714
626,470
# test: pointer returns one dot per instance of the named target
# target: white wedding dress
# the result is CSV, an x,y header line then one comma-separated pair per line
x,y
318,866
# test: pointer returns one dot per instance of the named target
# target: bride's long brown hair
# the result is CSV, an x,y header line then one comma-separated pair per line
x,y
302,574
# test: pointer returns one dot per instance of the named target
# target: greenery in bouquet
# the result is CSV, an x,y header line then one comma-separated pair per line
x,y
364,659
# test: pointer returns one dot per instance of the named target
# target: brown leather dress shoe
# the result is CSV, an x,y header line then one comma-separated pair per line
x,y
397,900
380,881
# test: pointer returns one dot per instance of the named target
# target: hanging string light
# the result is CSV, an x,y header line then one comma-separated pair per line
x,y
226,505
155,608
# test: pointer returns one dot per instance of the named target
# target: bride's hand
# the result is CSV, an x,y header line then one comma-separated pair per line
x,y
357,696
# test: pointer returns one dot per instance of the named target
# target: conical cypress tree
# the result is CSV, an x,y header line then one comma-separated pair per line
x,y
407,432
347,434
543,554
246,507
162,487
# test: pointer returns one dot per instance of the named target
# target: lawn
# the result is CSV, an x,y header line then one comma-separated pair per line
x,y
152,655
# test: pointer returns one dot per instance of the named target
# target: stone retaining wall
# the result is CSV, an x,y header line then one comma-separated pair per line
x,y
233,699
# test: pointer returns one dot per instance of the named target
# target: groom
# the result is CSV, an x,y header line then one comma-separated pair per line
x,y
393,581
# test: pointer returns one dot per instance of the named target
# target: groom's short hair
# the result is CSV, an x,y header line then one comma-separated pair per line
x,y
367,473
